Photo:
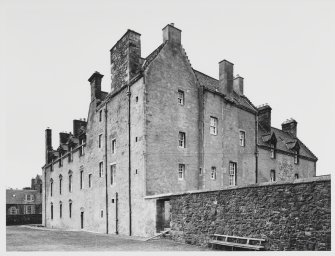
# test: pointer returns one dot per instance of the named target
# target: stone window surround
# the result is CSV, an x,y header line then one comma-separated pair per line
x,y
213,125
242,136
181,172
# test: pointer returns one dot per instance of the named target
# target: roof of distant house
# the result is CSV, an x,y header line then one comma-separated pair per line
x,y
18,196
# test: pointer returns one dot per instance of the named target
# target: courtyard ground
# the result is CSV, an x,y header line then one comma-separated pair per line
x,y
27,238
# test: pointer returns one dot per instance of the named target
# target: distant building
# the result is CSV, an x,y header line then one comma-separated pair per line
x,y
24,206
163,128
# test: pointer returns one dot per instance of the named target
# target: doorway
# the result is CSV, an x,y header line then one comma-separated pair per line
x,y
82,220
163,214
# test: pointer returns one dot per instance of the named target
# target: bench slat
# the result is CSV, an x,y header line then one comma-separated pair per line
x,y
239,237
256,247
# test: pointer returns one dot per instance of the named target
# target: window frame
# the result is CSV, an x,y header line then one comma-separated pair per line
x,y
182,140
112,174
181,97
242,136
90,180
100,140
213,127
273,177
273,150
113,146
213,173
101,169
81,179
232,173
181,171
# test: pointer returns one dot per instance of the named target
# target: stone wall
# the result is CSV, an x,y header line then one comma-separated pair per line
x,y
290,216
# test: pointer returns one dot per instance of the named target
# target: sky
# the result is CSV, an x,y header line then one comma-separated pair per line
x,y
283,49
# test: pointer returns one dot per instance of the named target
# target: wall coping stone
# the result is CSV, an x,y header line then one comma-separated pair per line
x,y
264,184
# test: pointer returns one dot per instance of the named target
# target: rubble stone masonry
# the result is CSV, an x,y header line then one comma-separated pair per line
x,y
290,216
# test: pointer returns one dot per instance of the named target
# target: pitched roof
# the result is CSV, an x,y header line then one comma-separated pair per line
x,y
285,141
213,84
18,196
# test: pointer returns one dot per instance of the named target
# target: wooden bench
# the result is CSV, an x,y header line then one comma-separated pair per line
x,y
237,241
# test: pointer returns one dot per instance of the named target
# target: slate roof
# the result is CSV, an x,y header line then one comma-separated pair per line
x,y
18,196
285,141
213,84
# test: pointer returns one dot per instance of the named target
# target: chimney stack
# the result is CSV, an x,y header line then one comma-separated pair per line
x,y
77,124
290,126
95,81
63,137
226,77
48,143
172,34
238,84
125,59
264,116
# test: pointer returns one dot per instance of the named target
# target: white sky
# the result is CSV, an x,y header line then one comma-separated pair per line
x,y
283,49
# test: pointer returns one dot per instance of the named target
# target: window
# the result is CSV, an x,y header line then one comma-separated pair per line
x,y
102,213
90,180
213,173
232,174
181,97
70,208
60,184
113,174
52,210
60,209
296,176
296,157
29,197
70,159
213,125
70,183
273,150
13,210
272,175
113,146
51,186
200,171
60,159
242,138
81,179
181,172
81,151
136,98
100,140
182,140
29,209
100,115
101,169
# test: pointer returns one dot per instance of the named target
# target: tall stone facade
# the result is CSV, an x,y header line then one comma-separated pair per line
x,y
164,128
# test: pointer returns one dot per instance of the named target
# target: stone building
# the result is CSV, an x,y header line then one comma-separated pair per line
x,y
163,128
24,206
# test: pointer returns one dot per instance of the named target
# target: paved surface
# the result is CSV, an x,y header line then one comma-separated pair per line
x,y
25,238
